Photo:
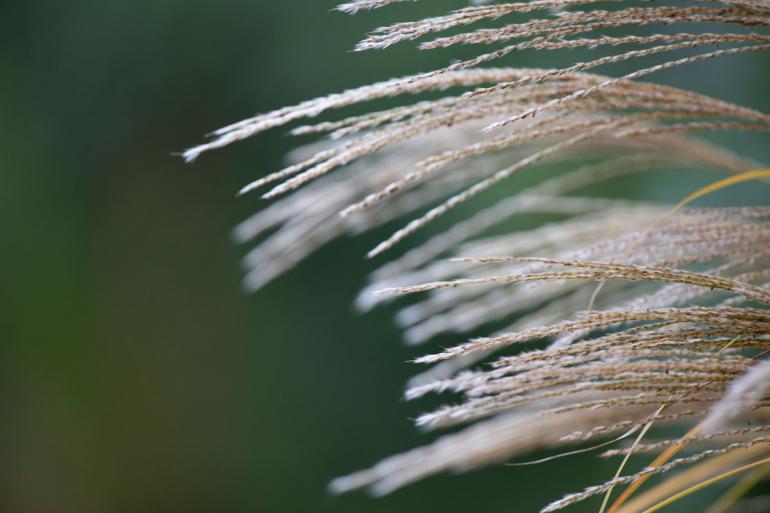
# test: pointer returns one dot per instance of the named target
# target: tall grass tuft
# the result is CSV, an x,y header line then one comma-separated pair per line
x,y
646,315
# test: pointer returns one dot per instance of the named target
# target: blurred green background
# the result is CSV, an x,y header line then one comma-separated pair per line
x,y
136,376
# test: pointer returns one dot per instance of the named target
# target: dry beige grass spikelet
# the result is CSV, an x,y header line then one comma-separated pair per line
x,y
679,329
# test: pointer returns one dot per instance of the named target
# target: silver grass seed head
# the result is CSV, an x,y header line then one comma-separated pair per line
x,y
644,316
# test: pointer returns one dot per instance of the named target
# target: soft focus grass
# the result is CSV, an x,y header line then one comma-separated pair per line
x,y
136,375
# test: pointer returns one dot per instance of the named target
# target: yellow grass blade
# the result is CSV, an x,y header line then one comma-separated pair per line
x,y
738,490
757,174
707,482
692,475
628,455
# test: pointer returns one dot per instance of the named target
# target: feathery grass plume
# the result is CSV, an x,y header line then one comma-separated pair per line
x,y
357,5
678,329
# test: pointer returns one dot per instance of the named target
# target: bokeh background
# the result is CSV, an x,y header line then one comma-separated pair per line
x,y
135,375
